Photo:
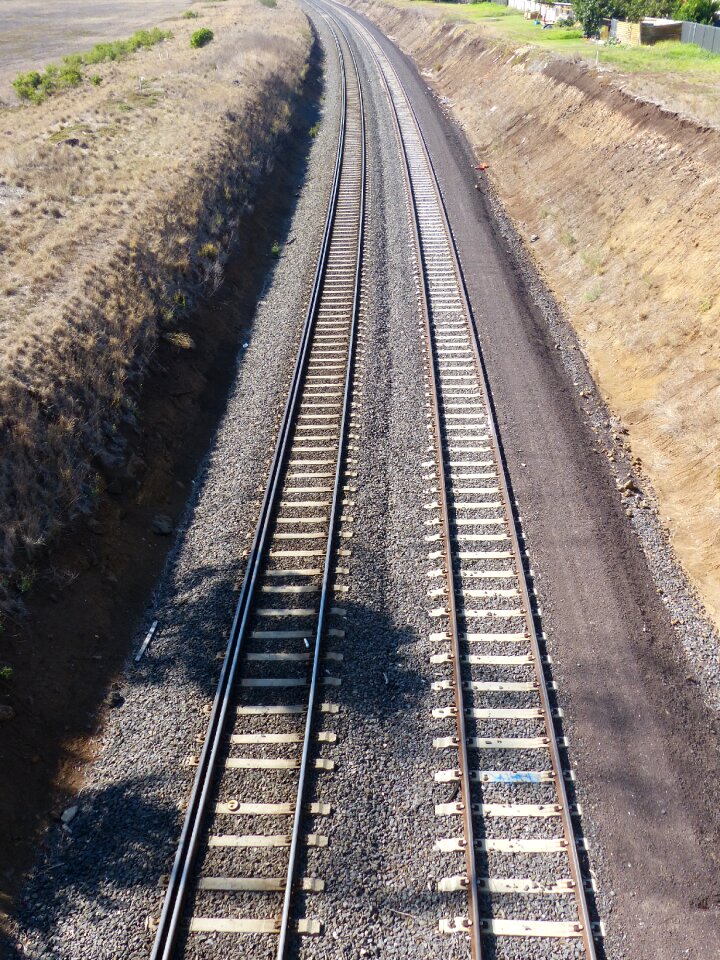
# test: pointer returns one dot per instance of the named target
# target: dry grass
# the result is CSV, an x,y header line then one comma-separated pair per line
x,y
119,204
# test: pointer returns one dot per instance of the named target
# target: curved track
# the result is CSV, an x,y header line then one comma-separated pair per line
x,y
236,868
511,845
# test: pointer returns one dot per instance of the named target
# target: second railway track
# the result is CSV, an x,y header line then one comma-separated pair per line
x,y
236,871
507,838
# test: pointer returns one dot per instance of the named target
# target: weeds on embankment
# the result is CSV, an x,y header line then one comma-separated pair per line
x,y
120,203
35,86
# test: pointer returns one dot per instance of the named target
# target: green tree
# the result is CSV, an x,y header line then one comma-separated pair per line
x,y
696,11
635,10
591,13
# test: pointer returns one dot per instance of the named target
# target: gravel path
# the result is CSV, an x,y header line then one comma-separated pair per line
x,y
98,882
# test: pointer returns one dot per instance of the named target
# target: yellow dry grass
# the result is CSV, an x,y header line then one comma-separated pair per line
x,y
119,203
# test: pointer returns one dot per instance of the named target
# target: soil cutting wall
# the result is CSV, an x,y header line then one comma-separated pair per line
x,y
623,201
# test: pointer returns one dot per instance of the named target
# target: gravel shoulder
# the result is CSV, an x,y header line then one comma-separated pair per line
x,y
97,882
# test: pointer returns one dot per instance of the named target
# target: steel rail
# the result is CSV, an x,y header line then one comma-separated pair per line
x,y
347,393
474,926
557,765
503,477
191,834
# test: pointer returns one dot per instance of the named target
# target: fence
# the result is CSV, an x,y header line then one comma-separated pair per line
x,y
549,12
703,35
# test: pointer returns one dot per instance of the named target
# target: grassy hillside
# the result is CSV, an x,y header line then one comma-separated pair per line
x,y
120,195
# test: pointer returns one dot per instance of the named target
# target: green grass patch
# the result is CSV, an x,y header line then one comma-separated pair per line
x,y
35,86
133,100
269,3
191,15
201,37
69,131
594,260
507,23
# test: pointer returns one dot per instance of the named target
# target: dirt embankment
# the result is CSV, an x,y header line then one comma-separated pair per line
x,y
620,202
120,200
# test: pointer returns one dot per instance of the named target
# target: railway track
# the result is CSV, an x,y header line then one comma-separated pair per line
x,y
244,839
507,835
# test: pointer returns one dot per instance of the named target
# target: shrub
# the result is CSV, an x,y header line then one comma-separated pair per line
x,y
275,250
28,86
96,80
35,86
201,37
314,130
269,3
117,49
190,15
209,250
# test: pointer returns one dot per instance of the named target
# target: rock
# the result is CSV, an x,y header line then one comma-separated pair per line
x,y
534,237
6,713
162,525
136,466
67,816
108,463
115,699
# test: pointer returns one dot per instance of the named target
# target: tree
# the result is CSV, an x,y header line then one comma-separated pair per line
x,y
635,10
696,11
591,13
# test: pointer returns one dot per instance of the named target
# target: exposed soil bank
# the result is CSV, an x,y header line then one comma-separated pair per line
x,y
93,587
620,201
641,741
